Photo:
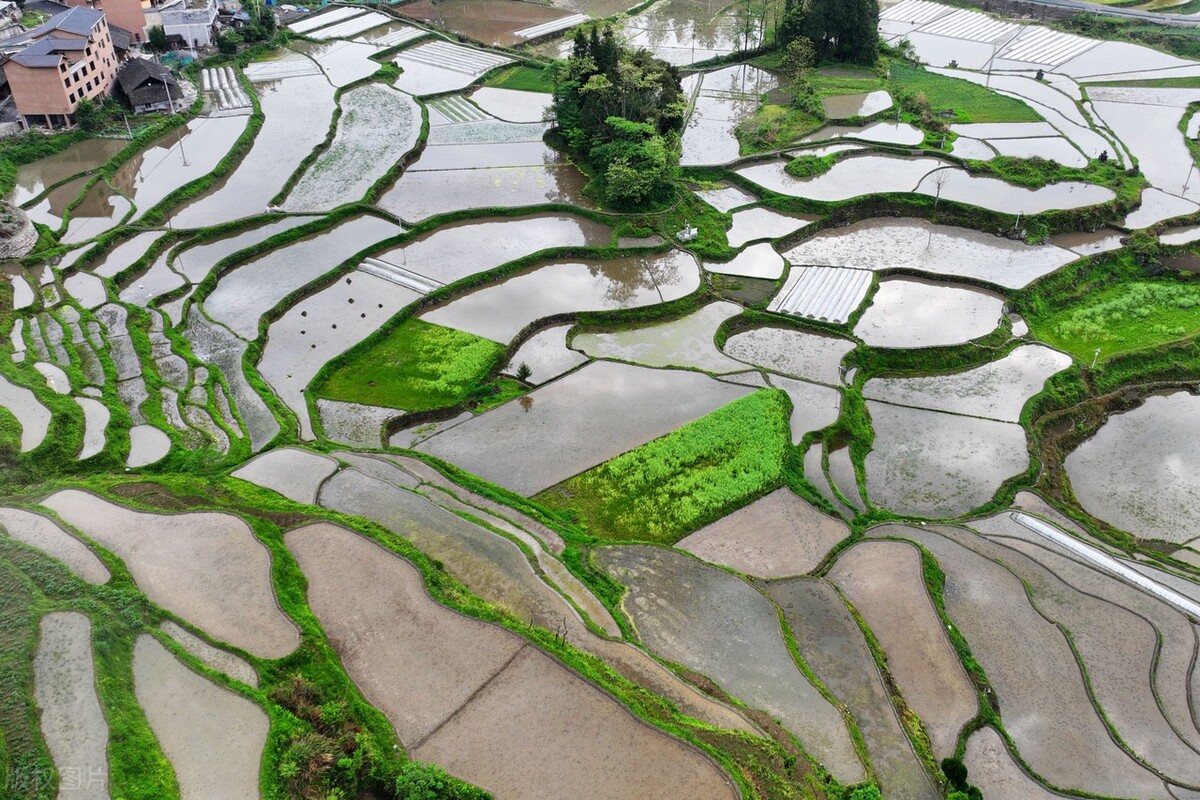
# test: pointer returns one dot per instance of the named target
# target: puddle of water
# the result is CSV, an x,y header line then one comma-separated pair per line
x,y
420,195
907,312
995,194
210,656
844,106
45,534
756,261
917,244
459,249
931,464
32,179
813,406
800,354
124,254
686,342
500,311
577,422
296,119
997,390
246,293
322,326
194,263
1139,472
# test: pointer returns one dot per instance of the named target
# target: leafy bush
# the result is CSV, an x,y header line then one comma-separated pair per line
x,y
808,166
418,367
667,488
419,781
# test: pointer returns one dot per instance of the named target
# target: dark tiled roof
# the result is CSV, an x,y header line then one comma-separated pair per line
x,y
47,52
142,81
121,38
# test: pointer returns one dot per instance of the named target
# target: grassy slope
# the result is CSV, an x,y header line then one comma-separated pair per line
x,y
1130,316
971,103
669,487
420,366
529,79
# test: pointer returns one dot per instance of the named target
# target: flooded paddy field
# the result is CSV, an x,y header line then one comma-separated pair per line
x,y
1113,472
459,709
1043,699
936,249
909,312
775,537
385,491
208,732
499,311
934,464
831,643
206,567
563,421
882,580
708,636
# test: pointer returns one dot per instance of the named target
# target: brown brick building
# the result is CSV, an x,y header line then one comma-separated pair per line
x,y
127,14
57,64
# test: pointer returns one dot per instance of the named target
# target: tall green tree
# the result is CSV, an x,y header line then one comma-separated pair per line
x,y
622,111
845,30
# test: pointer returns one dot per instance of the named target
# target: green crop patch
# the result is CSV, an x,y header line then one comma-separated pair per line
x,y
523,78
1130,316
419,366
671,486
970,102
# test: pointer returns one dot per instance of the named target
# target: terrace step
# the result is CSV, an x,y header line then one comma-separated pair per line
x,y
973,26
1043,46
457,108
352,26
405,34
553,26
453,57
917,12
315,21
398,275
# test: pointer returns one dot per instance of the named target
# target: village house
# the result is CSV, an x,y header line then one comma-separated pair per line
x,y
57,64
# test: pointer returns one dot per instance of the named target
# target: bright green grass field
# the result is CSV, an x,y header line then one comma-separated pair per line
x,y
528,79
1131,316
418,367
667,488
971,103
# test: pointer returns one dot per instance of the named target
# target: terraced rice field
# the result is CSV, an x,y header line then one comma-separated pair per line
x,y
358,438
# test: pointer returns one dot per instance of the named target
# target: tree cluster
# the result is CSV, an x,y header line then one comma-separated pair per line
x,y
621,111
841,30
